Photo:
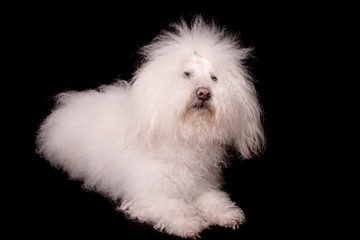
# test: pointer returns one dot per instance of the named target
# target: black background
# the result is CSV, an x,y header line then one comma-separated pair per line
x,y
51,49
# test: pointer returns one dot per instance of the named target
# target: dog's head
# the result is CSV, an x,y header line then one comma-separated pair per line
x,y
192,87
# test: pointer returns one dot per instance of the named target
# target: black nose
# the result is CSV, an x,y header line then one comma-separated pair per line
x,y
203,93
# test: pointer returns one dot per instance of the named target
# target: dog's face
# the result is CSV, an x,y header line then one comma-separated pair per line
x,y
201,73
208,96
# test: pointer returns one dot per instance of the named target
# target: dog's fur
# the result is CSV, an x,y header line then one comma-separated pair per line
x,y
153,144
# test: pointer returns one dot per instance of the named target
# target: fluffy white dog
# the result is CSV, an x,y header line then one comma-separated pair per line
x,y
158,144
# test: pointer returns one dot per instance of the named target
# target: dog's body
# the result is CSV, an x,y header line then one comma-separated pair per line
x,y
158,143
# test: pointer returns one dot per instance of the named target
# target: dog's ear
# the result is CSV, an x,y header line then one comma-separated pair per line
x,y
248,133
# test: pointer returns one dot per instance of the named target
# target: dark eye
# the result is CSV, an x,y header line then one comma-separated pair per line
x,y
187,74
214,78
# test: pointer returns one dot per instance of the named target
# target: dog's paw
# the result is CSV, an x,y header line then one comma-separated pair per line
x,y
185,228
231,218
217,209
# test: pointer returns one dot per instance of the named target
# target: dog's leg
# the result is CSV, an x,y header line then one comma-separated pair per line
x,y
217,209
173,216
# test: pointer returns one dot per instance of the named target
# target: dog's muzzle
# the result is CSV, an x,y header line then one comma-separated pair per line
x,y
202,98
203,94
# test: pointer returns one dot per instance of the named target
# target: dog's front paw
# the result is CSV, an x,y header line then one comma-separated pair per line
x,y
232,218
217,209
183,227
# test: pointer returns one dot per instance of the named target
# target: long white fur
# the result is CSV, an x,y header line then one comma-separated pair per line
x,y
144,144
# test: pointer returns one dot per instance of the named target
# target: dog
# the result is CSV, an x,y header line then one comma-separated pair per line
x,y
157,144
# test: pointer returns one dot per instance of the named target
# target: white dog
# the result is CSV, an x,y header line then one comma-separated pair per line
x,y
157,144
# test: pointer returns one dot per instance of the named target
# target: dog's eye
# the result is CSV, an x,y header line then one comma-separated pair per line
x,y
187,74
213,78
